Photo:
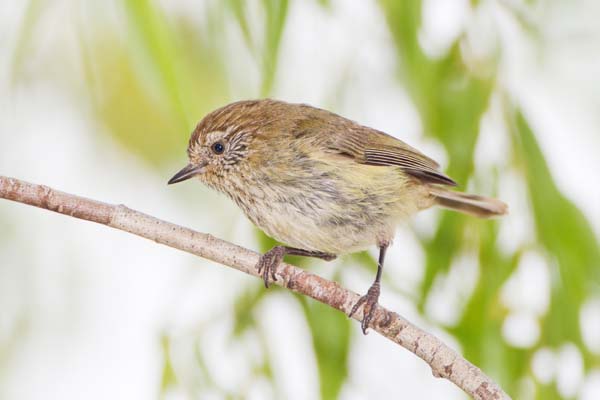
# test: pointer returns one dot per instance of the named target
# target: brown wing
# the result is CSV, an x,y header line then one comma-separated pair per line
x,y
372,147
364,145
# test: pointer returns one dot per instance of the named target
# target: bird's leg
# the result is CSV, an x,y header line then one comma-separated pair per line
x,y
372,296
269,261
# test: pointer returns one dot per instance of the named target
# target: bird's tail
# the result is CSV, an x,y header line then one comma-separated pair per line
x,y
479,206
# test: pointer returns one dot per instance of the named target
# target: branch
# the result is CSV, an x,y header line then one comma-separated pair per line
x,y
444,361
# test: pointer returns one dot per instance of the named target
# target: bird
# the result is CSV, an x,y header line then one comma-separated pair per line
x,y
319,183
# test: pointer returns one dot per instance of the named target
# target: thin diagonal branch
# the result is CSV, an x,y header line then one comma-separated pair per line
x,y
444,361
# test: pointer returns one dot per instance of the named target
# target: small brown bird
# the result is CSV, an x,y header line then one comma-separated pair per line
x,y
319,183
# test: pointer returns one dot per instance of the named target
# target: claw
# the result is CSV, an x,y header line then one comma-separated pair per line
x,y
268,263
370,304
357,306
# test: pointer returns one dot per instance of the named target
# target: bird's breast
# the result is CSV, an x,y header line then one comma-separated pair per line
x,y
323,206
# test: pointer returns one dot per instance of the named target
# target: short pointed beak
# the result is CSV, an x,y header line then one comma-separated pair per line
x,y
186,173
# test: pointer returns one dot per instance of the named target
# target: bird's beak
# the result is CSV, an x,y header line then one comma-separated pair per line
x,y
186,173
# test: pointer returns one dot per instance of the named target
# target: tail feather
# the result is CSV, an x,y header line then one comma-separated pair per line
x,y
479,206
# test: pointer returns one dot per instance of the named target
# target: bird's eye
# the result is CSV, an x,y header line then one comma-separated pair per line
x,y
218,148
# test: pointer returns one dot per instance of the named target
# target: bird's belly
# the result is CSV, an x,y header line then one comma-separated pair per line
x,y
321,223
334,209
320,231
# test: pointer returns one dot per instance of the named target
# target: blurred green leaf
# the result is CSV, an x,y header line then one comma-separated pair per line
x,y
331,340
566,235
276,11
168,374
451,102
265,242
480,327
238,7
325,3
138,121
33,12
150,92
154,40
244,305
266,47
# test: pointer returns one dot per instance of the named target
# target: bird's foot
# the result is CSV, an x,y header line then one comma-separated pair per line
x,y
370,304
268,263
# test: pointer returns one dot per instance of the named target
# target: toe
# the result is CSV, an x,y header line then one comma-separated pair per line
x,y
273,270
356,306
367,315
265,277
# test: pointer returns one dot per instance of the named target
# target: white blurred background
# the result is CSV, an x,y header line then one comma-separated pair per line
x,y
86,311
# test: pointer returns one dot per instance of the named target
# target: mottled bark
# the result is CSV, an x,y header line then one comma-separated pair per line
x,y
444,362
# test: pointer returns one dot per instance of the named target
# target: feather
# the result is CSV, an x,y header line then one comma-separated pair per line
x,y
371,147
479,206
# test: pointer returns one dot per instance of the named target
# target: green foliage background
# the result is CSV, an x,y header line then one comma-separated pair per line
x,y
150,82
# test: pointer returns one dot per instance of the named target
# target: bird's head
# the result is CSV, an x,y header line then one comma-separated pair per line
x,y
221,143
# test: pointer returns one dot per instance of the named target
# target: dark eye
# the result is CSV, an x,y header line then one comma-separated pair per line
x,y
218,148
